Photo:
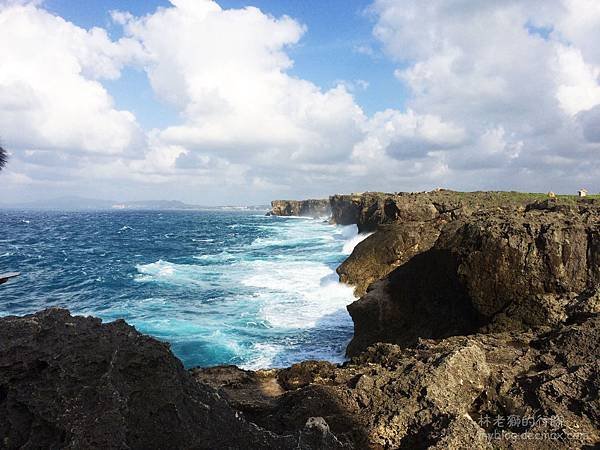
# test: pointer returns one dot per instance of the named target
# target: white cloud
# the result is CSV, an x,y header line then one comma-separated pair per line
x,y
519,93
501,94
49,94
226,72
409,135
578,89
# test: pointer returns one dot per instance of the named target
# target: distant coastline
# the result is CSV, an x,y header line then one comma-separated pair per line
x,y
74,203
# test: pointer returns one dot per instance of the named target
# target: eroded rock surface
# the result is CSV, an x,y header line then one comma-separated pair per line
x,y
308,208
368,210
493,270
73,382
405,225
527,269
455,393
391,246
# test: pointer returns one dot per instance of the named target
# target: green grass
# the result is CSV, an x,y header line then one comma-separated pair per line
x,y
502,198
488,198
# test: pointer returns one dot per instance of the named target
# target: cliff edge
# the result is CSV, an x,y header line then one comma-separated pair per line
x,y
472,266
307,208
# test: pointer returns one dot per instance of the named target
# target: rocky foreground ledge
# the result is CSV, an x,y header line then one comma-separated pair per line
x,y
73,382
477,326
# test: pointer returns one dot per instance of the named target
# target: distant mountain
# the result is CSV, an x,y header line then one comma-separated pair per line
x,y
74,203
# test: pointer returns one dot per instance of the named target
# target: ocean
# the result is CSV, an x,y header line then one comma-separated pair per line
x,y
221,287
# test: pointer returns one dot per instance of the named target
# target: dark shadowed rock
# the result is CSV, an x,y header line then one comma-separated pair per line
x,y
73,382
391,246
491,271
423,298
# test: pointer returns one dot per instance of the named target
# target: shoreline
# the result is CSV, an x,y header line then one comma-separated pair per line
x,y
473,307
227,301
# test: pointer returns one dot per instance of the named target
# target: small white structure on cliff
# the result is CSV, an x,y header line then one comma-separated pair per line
x,y
582,192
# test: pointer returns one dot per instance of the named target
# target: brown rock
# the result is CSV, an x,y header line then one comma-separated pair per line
x,y
391,246
450,393
309,208
73,382
492,271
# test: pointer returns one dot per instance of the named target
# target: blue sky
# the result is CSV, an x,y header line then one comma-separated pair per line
x,y
196,100
326,54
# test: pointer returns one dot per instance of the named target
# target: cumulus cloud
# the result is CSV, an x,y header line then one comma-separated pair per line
x,y
501,94
226,72
590,122
50,96
515,76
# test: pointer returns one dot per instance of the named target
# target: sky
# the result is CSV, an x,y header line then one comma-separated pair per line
x,y
241,102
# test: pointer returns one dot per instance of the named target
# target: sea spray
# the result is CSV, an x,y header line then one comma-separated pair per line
x,y
220,287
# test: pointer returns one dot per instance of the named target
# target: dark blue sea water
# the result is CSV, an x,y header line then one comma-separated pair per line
x,y
221,287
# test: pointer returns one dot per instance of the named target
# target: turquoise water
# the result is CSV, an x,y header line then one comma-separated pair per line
x,y
221,287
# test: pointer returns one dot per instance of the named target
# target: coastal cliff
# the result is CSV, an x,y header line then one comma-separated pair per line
x,y
495,270
477,326
308,208
407,224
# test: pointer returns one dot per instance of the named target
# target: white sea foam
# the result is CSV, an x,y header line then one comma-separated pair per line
x,y
299,294
181,274
263,355
281,302
353,242
292,217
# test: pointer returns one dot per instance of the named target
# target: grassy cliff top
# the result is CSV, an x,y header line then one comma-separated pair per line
x,y
490,198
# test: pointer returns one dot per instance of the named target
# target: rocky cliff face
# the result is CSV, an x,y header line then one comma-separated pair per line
x,y
369,210
484,391
406,224
491,271
73,382
309,208
391,246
